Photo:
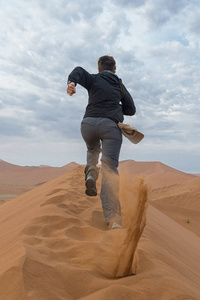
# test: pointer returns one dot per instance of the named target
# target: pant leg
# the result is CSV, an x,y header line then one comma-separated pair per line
x,y
111,144
89,131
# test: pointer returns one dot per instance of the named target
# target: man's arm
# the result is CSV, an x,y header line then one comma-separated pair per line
x,y
128,106
80,76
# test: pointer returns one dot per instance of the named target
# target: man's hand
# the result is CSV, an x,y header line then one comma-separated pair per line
x,y
71,89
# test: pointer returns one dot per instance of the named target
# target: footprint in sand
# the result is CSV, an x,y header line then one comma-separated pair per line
x,y
70,236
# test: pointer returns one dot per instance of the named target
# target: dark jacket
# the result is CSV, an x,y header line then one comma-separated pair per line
x,y
108,97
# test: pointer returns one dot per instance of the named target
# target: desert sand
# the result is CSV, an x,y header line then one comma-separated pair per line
x,y
55,243
16,180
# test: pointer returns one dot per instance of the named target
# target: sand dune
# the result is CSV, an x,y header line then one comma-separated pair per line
x,y
55,245
185,195
16,180
189,218
168,185
156,174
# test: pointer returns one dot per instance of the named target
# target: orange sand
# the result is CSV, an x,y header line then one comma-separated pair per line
x,y
16,180
55,243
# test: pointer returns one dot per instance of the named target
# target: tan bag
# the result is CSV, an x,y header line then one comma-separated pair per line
x,y
131,133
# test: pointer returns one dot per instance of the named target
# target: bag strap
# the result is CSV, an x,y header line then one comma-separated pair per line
x,y
122,88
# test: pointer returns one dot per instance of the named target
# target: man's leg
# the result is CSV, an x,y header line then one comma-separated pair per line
x,y
89,133
111,145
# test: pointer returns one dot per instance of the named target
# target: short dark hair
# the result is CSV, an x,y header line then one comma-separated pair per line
x,y
107,63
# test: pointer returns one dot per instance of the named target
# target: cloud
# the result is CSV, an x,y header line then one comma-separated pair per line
x,y
12,127
155,44
129,3
160,12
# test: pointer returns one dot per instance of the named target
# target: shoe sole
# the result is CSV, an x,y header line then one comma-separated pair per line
x,y
116,226
90,187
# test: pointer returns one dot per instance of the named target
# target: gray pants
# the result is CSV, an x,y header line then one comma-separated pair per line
x,y
103,134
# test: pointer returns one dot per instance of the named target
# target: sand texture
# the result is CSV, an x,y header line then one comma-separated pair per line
x,y
55,243
16,180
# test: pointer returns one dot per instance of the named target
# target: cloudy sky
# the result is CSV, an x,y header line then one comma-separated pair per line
x,y
156,46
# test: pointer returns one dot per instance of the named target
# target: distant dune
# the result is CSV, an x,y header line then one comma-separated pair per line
x,y
16,180
156,174
55,243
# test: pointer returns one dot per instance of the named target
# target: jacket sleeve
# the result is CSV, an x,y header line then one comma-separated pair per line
x,y
128,106
80,76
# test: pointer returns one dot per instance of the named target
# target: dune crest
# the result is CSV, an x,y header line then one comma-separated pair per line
x,y
79,245
16,180
55,245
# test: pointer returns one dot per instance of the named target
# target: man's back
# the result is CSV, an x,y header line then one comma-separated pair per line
x,y
107,97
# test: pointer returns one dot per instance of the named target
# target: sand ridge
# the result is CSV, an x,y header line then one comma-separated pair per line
x,y
16,180
57,225
55,245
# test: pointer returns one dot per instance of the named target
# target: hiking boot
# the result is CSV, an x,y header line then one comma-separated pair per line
x,y
90,184
91,175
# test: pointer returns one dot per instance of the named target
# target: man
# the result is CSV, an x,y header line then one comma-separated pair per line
x,y
108,101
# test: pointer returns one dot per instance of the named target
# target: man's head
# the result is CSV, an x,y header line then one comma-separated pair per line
x,y
106,63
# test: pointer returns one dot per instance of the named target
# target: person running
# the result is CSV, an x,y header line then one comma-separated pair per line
x,y
108,102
